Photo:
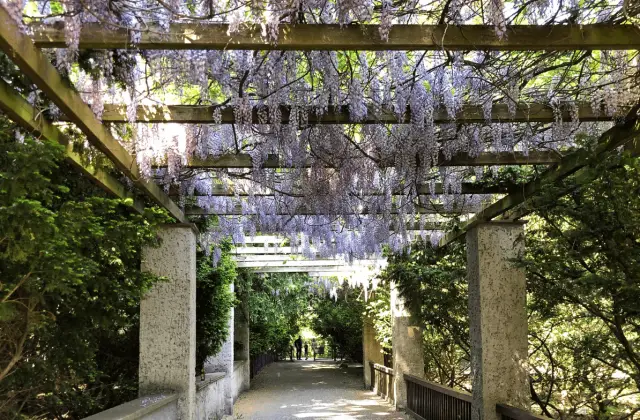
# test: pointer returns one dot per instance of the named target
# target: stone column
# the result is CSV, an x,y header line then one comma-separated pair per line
x,y
371,350
168,318
241,341
407,347
498,318
223,362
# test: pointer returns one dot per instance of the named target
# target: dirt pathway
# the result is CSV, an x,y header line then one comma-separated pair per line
x,y
311,390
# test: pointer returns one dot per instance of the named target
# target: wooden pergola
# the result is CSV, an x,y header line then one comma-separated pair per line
x,y
25,52
274,254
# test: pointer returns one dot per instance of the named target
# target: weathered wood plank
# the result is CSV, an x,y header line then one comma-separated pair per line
x,y
20,48
237,211
197,36
467,188
610,140
305,263
462,159
203,114
25,115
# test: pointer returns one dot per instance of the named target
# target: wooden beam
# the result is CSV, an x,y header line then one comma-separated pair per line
x,y
198,211
33,63
203,114
461,159
32,121
335,269
305,263
340,274
257,250
467,188
610,140
308,37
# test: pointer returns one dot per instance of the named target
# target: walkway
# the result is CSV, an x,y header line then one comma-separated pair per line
x,y
311,390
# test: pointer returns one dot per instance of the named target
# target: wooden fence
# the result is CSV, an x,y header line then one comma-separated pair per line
x,y
428,400
382,381
260,361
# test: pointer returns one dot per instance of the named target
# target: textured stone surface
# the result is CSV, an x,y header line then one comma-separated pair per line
x,y
241,375
167,318
498,318
210,397
223,362
372,350
151,407
311,390
241,340
407,347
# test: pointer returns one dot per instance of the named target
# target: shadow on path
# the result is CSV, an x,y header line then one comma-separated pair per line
x,y
311,390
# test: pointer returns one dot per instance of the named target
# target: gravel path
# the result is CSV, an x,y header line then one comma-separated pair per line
x,y
311,390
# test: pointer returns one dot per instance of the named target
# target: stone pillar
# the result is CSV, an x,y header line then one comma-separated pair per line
x,y
371,350
497,318
407,347
223,362
168,318
241,342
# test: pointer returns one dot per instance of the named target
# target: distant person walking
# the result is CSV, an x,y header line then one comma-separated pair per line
x,y
298,344
306,351
314,347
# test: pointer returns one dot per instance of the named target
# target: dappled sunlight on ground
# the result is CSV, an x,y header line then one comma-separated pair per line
x,y
311,390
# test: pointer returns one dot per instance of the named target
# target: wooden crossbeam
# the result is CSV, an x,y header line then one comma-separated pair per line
x,y
462,159
197,114
308,37
305,263
33,63
610,140
340,273
339,270
32,121
467,188
237,211
257,250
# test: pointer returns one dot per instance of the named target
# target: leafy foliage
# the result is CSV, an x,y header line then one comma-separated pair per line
x,y
583,260
378,309
434,285
278,307
71,286
340,319
214,300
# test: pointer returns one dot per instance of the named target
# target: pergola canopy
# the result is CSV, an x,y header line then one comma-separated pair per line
x,y
339,123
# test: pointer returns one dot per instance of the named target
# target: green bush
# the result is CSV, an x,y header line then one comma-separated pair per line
x,y
214,300
70,286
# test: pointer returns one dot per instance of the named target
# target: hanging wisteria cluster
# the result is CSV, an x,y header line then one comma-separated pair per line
x,y
343,189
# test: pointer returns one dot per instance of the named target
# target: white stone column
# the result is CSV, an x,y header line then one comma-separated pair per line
x,y
498,318
371,349
407,347
241,340
223,362
168,318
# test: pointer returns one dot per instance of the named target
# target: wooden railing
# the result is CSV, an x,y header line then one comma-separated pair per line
x,y
382,381
511,413
428,400
260,361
